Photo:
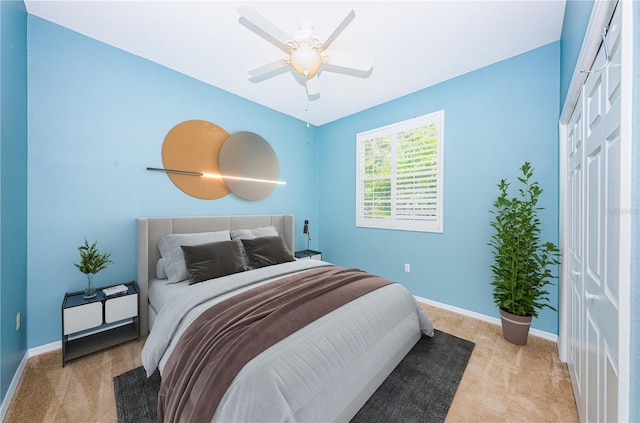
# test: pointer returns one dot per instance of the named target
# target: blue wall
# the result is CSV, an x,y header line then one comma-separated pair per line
x,y
97,118
496,118
574,27
13,181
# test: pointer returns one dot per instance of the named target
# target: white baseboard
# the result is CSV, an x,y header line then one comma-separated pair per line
x,y
44,348
13,386
494,320
32,352
18,374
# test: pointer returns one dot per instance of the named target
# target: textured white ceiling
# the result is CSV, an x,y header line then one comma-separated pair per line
x,y
414,44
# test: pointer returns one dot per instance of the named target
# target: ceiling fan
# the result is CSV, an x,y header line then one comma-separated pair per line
x,y
306,52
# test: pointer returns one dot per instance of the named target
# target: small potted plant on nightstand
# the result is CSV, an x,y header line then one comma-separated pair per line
x,y
522,262
91,262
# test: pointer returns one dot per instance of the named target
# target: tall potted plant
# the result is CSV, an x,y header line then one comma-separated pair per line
x,y
91,262
522,262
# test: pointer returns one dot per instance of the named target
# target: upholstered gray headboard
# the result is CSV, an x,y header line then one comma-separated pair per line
x,y
151,229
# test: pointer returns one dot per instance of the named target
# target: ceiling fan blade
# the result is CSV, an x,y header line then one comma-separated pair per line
x,y
338,30
350,61
313,86
264,24
269,67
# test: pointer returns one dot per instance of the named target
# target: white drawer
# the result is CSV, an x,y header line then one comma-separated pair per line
x,y
82,317
120,308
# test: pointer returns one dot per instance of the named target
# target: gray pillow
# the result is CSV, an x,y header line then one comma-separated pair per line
x,y
173,257
212,260
267,251
241,234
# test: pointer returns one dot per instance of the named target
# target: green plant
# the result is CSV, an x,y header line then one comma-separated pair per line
x,y
91,259
522,262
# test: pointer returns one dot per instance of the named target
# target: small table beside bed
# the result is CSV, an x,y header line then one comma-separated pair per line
x,y
242,331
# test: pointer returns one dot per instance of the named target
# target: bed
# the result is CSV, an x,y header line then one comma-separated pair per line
x,y
324,370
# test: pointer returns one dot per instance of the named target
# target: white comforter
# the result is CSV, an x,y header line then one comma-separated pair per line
x,y
324,372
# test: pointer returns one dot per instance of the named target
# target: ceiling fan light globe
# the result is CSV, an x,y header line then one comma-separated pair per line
x,y
306,61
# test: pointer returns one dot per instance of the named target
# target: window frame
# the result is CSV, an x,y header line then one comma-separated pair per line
x,y
393,222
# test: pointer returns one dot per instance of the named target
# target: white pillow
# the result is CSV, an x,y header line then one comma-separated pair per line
x,y
161,273
254,233
170,247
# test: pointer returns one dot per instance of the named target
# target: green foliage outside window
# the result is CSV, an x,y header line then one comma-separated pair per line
x,y
415,166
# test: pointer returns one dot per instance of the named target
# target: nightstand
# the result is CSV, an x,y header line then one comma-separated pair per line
x,y
308,254
90,325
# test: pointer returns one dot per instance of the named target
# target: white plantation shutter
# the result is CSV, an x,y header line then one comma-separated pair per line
x,y
399,175
376,165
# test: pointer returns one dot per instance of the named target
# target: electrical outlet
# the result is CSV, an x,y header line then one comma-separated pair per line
x,y
18,321
407,267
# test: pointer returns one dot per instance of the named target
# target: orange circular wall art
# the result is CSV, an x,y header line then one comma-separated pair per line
x,y
195,145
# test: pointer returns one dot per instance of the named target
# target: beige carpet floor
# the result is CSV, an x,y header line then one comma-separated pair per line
x,y
502,382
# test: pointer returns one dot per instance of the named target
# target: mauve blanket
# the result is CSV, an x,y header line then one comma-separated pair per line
x,y
224,338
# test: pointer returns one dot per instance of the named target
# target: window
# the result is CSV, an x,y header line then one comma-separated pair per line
x,y
399,175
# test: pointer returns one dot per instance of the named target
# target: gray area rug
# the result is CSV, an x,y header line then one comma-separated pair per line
x,y
420,388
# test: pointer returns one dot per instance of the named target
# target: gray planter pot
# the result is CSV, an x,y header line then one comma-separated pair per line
x,y
515,329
